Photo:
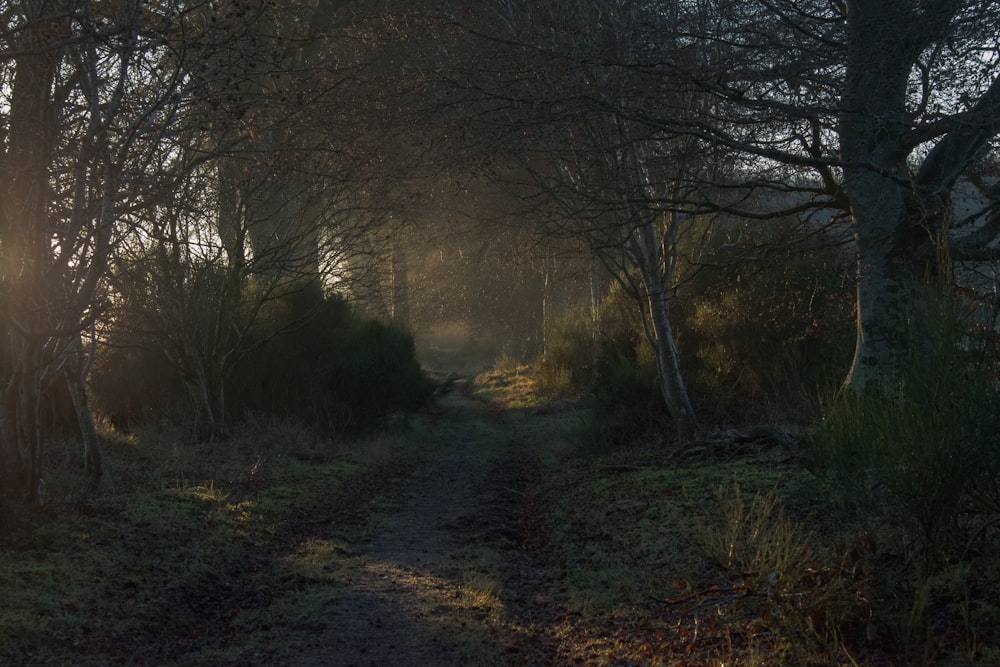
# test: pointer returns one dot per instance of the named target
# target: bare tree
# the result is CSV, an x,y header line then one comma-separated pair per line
x,y
874,108
885,104
588,171
606,186
91,90
269,197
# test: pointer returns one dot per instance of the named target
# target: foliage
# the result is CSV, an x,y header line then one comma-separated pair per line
x,y
757,339
924,454
566,367
627,406
765,338
331,364
132,385
921,462
308,356
621,385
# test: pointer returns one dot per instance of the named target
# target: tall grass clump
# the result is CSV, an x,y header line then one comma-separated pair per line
x,y
807,601
566,366
923,454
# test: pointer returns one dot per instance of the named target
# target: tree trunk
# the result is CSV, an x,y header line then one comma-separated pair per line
x,y
872,125
400,289
900,220
672,384
27,243
595,314
27,428
656,282
207,392
92,459
77,367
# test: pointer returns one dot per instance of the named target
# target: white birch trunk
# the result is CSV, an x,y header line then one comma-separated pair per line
x,y
655,270
595,313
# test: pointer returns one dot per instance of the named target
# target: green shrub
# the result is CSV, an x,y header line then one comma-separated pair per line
x,y
566,367
330,364
307,356
132,384
620,380
374,370
627,403
923,454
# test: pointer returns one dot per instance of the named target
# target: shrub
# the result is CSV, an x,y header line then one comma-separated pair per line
x,y
566,366
308,356
330,364
923,454
620,379
627,404
131,384
765,339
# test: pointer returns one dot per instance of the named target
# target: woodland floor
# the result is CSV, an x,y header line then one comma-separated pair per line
x,y
480,535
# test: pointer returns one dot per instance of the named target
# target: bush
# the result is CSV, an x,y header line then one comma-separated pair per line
x,y
766,339
331,365
308,356
620,379
132,384
920,461
566,367
924,454
627,403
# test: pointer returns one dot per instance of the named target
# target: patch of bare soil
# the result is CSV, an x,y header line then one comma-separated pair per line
x,y
445,567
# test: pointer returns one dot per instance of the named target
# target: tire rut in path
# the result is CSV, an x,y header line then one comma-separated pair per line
x,y
434,582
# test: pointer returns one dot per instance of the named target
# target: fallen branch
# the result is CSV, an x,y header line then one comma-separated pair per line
x,y
730,443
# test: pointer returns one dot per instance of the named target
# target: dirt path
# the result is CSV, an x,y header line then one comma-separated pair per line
x,y
443,572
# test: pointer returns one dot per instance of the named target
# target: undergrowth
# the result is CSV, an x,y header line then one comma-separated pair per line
x,y
919,462
641,560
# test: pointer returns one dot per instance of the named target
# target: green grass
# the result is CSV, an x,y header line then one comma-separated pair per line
x,y
167,549
628,526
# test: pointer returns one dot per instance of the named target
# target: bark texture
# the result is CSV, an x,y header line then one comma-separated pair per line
x,y
900,219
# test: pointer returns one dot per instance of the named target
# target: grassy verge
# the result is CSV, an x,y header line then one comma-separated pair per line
x,y
185,542
239,552
746,562
638,584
